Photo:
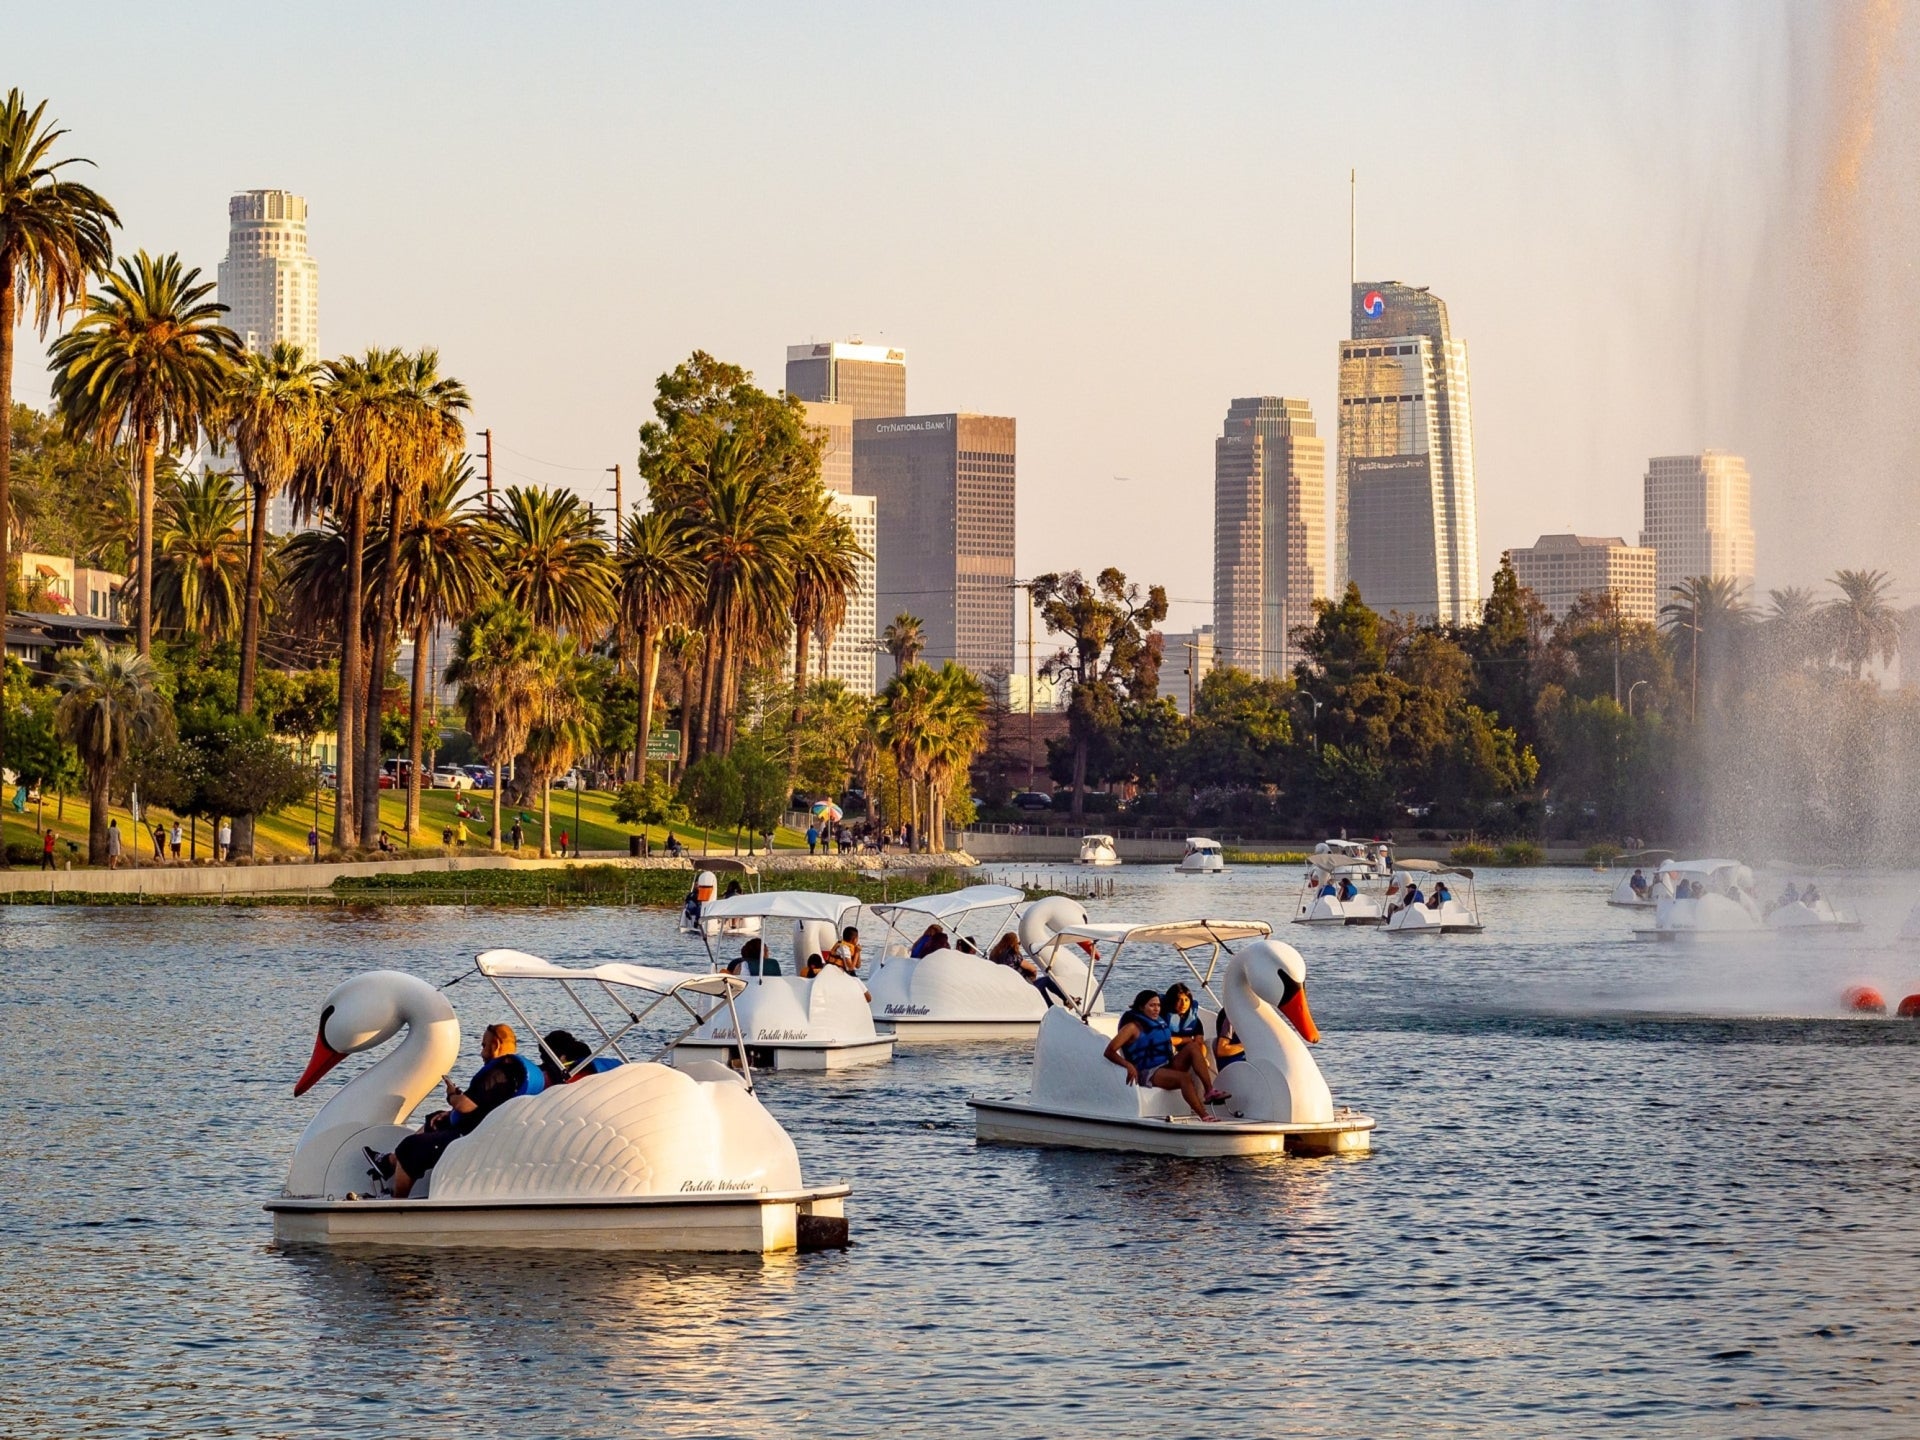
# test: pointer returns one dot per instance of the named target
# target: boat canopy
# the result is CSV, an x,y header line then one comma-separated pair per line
x,y
1181,934
957,902
1201,842
1096,839
1336,863
1431,867
726,865
1705,868
781,905
518,965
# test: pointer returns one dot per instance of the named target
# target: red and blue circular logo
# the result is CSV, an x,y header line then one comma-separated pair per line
x,y
1374,303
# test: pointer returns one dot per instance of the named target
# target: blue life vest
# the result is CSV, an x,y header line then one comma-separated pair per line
x,y
598,1067
1188,1026
1151,1047
536,1077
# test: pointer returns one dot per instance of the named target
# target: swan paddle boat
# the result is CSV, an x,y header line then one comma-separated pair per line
x,y
950,994
1723,910
1278,1101
787,1022
1376,855
1202,857
1098,850
1804,911
627,1154
1330,875
1624,896
1457,915
706,889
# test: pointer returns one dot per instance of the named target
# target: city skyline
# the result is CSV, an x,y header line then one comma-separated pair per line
x,y
1011,310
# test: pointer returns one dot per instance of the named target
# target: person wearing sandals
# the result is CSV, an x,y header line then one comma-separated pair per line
x,y
1143,1047
1189,1033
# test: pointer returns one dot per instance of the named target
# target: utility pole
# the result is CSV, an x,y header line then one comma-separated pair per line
x,y
487,435
619,509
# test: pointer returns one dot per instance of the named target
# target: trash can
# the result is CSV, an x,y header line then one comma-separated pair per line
x,y
635,844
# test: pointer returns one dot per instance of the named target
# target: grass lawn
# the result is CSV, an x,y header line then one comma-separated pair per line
x,y
286,833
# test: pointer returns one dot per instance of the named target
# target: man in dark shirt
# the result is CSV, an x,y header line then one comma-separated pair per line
x,y
504,1075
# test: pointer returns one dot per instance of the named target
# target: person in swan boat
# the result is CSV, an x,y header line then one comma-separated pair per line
x,y
1143,1047
503,1074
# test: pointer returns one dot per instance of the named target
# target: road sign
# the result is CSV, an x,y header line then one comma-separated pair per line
x,y
663,745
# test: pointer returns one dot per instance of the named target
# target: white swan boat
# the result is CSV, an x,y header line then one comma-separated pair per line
x,y
1278,1100
1806,917
706,889
638,1156
1098,850
1375,855
1202,857
1723,910
1334,892
786,1022
950,994
1658,885
1456,915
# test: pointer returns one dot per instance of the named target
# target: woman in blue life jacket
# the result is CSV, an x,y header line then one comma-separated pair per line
x,y
1348,890
1189,1032
504,1074
1143,1047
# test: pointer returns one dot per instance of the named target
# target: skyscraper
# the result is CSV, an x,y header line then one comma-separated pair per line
x,y
870,378
1269,531
945,487
836,461
1560,569
1698,519
268,282
1405,528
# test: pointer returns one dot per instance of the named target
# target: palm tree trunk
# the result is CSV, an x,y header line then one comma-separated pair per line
x,y
693,701
799,702
546,817
1079,776
147,447
377,674
647,671
97,815
499,767
416,714
346,827
8,304
250,645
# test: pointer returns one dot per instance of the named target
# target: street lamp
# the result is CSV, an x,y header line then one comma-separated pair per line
x,y
1314,701
1630,689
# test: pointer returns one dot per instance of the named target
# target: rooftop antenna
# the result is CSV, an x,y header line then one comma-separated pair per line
x,y
1353,206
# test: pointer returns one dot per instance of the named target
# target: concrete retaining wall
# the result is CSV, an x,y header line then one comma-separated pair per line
x,y
1063,848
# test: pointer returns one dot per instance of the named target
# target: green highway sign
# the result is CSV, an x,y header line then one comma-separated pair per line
x,y
663,745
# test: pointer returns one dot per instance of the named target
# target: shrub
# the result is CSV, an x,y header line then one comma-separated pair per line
x,y
1472,852
1521,852
1602,854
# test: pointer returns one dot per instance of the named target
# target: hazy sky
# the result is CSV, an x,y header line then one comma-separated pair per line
x,y
1105,221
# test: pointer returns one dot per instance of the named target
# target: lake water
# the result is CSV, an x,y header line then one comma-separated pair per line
x,y
1617,1189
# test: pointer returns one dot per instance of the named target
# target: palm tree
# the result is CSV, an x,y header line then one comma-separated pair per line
x,y
271,414
826,571
959,725
200,557
564,730
109,702
659,587
1792,625
147,362
908,709
553,561
425,411
54,233
905,640
445,567
1710,606
497,665
1862,624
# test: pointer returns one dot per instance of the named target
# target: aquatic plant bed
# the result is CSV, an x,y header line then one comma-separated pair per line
x,y
1265,857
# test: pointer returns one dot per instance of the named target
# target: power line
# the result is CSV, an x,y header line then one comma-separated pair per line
x,y
552,464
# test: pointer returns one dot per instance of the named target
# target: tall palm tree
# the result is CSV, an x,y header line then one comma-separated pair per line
x,y
344,470
109,701
659,587
271,414
956,729
564,729
147,363
908,709
54,233
1711,610
497,665
905,640
1862,624
553,561
826,571
425,411
1792,625
445,567
200,556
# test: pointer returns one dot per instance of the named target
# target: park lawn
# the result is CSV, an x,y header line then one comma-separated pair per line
x,y
286,832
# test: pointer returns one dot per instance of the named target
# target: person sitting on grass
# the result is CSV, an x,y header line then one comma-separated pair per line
x,y
1143,1047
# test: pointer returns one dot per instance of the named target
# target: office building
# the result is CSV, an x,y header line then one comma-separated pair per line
x,y
1269,531
836,460
944,487
271,287
1185,661
870,378
1405,528
850,658
1051,695
1560,569
1698,519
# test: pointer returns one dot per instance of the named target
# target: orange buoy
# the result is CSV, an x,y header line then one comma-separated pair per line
x,y
1865,1000
1910,1008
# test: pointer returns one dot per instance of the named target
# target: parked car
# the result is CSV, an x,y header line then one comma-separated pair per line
x,y
482,777
1033,800
572,780
450,777
389,780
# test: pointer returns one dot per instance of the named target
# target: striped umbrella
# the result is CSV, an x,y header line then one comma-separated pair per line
x,y
828,811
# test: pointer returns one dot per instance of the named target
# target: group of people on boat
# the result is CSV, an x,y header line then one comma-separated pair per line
x,y
1808,897
1162,1043
1413,896
1344,889
503,1075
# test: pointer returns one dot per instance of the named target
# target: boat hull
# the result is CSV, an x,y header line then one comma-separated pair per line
x,y
796,1056
1340,920
1010,1122
754,1224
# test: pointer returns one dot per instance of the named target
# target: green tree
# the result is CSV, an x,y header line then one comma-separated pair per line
x,y
146,363
553,561
905,640
907,713
109,702
1507,648
660,584
711,792
1711,614
1862,624
763,788
563,727
200,557
826,571
958,726
1241,732
497,665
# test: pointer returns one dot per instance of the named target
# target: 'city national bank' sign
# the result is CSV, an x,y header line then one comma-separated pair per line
x,y
901,427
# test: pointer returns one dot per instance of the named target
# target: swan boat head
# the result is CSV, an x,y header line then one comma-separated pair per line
x,y
1265,994
369,1010
1277,973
